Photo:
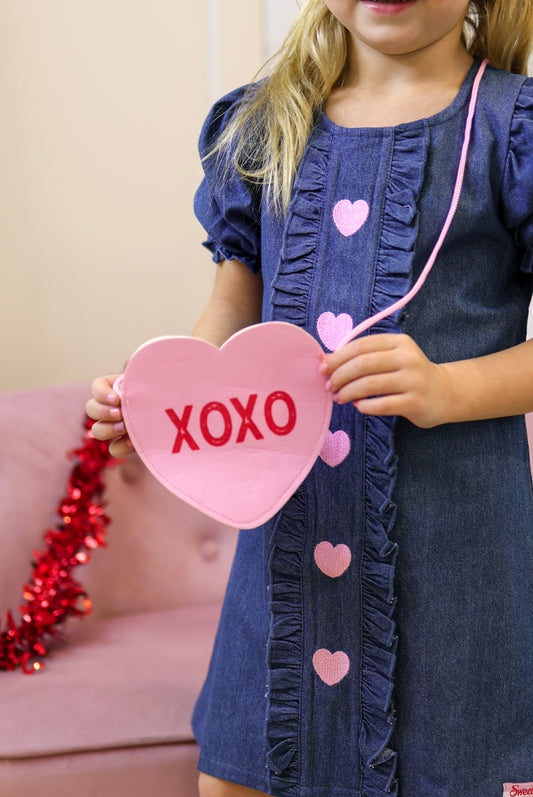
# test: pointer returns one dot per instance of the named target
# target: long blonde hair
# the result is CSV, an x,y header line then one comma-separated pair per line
x,y
268,134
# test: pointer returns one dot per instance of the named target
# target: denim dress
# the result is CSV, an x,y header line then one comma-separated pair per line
x,y
377,634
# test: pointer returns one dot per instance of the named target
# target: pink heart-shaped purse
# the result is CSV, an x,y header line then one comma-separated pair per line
x,y
232,431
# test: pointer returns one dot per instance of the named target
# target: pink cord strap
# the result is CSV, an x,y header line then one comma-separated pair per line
x,y
364,325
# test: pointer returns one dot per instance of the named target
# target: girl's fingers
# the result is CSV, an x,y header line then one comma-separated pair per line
x,y
99,411
102,390
108,431
376,363
356,348
104,408
382,405
373,385
121,447
105,403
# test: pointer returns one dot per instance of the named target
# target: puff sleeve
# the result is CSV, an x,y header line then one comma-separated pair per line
x,y
517,189
227,206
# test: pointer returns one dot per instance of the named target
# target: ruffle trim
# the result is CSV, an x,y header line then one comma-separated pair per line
x,y
284,655
291,288
220,253
392,281
292,283
526,264
519,168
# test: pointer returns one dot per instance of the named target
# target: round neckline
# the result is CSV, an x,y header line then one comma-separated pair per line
x,y
441,116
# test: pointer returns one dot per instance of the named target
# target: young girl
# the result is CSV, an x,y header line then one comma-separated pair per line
x,y
377,634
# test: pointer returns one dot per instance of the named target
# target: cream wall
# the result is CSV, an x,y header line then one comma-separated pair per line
x,y
101,104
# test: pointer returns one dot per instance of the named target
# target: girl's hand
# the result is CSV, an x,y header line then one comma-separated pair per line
x,y
389,375
104,408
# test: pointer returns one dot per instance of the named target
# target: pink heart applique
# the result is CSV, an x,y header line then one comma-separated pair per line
x,y
350,216
336,448
333,329
232,431
331,667
332,560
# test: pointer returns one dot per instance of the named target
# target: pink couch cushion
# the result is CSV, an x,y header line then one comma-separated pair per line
x,y
119,682
37,427
161,551
159,770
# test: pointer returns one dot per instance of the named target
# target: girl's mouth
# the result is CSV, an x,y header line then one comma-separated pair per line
x,y
388,6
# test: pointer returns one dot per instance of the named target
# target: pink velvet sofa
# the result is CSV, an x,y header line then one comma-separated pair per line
x,y
109,715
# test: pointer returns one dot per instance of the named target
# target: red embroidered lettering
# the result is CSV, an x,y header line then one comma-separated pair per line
x,y
183,433
216,406
517,789
246,415
280,395
218,432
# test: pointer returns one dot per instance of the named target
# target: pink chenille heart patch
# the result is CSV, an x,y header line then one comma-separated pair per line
x,y
332,560
232,431
349,217
336,448
332,329
331,667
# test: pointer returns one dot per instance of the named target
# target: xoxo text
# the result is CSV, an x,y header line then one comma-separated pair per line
x,y
217,421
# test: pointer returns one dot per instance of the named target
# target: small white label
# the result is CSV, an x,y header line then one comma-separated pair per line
x,y
517,789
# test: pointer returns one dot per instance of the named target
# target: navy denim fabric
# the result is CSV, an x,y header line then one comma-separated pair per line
x,y
435,611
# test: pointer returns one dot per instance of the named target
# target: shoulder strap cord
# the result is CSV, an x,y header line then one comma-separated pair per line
x,y
364,325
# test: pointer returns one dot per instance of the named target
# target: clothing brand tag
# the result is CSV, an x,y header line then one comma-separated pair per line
x,y
517,789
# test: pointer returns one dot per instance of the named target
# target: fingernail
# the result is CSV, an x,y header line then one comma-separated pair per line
x,y
335,397
321,356
111,398
328,384
119,428
115,412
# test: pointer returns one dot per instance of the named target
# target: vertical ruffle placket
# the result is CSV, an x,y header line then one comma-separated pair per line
x,y
284,655
291,288
379,641
292,284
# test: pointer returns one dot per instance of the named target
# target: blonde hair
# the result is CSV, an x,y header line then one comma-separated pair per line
x,y
269,132
502,32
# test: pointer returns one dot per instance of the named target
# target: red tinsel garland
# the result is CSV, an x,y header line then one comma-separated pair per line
x,y
52,594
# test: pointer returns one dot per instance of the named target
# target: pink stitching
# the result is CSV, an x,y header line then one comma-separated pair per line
x,y
331,667
332,560
336,448
332,329
349,217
